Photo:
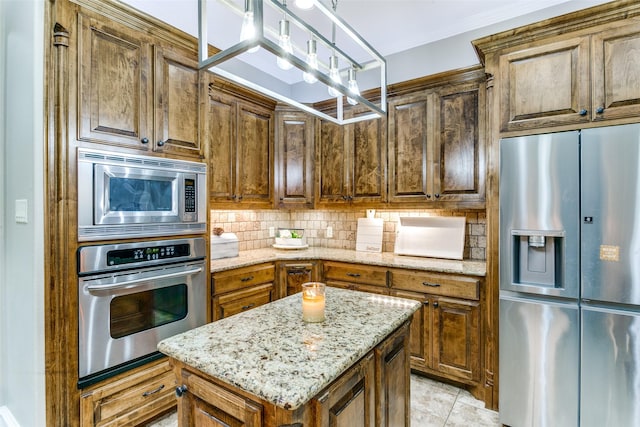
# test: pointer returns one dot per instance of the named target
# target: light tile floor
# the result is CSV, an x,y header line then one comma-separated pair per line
x,y
433,404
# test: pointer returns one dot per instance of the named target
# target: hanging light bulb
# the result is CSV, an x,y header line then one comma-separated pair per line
x,y
248,30
284,41
312,61
352,85
334,73
304,4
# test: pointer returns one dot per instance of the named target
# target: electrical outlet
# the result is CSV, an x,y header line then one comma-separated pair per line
x,y
272,232
329,232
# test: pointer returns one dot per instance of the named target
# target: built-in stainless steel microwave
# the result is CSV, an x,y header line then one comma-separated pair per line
x,y
124,195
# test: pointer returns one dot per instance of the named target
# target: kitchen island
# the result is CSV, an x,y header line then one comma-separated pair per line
x,y
266,367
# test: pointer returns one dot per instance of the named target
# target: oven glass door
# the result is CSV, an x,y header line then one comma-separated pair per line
x,y
123,316
126,195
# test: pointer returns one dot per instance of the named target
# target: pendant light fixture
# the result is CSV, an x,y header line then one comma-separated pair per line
x,y
274,29
352,84
248,29
312,61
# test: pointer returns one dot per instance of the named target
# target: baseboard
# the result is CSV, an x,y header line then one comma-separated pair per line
x,y
6,418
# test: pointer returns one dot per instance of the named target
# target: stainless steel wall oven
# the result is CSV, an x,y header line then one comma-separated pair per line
x,y
132,295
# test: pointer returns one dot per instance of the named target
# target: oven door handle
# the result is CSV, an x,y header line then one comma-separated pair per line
x,y
128,283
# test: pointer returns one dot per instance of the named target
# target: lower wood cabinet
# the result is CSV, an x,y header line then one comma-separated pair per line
x,y
356,277
294,274
445,332
131,398
242,289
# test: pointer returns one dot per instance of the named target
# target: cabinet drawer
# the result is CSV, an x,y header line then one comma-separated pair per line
x,y
436,284
246,299
130,399
368,275
242,278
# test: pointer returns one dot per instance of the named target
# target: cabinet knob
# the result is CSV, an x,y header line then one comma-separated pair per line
x,y
437,195
583,112
435,304
600,110
180,390
428,196
144,140
160,143
426,303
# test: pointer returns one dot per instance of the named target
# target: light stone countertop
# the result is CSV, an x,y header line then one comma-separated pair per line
x,y
385,259
270,352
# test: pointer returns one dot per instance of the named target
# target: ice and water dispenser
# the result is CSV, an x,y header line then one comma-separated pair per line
x,y
537,258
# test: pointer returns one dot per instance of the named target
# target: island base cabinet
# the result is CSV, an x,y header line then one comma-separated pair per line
x,y
204,404
393,379
350,401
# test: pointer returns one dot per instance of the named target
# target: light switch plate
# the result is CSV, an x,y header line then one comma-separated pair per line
x,y
21,211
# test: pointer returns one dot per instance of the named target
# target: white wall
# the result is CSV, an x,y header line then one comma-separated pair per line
x,y
22,383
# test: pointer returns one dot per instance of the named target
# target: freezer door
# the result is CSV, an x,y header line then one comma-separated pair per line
x,y
539,214
538,363
611,214
610,365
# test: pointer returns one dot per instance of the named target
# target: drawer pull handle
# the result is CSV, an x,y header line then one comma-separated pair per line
x,y
149,393
297,268
432,285
353,274
247,307
181,390
246,279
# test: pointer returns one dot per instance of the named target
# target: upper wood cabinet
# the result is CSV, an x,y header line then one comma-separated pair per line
x,y
294,159
436,146
351,161
135,92
571,81
240,138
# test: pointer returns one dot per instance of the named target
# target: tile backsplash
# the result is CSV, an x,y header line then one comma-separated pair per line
x,y
252,227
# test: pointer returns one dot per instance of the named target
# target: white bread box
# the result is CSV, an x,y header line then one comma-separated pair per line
x,y
224,246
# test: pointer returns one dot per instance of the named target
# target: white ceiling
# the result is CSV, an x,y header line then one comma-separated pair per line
x,y
389,26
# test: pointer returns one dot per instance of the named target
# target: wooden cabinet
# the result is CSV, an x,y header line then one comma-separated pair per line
x,y
351,162
294,159
240,138
436,147
242,289
131,398
135,92
356,277
351,400
572,80
293,274
445,333
204,404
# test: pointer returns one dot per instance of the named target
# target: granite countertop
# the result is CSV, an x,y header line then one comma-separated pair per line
x,y
385,259
271,353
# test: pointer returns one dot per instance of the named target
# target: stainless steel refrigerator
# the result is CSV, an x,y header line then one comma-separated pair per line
x,y
570,278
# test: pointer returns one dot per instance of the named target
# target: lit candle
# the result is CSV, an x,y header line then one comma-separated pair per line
x,y
313,302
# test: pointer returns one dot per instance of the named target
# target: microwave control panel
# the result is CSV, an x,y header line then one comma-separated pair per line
x,y
190,195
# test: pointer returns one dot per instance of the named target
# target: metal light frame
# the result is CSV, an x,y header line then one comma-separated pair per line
x,y
211,63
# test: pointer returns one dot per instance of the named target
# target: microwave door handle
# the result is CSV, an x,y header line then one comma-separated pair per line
x,y
146,279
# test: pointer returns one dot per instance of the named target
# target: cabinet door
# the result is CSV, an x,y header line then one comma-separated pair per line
x,y
205,404
616,73
332,157
350,400
367,170
221,138
410,159
545,86
114,84
254,156
297,274
456,338
458,151
420,335
177,101
294,163
393,370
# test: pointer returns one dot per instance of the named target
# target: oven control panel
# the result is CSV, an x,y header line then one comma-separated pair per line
x,y
127,255
149,253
